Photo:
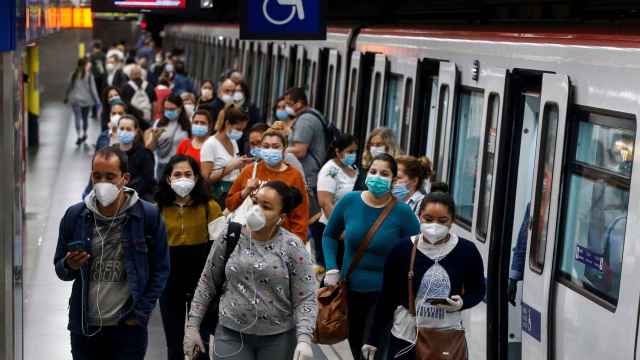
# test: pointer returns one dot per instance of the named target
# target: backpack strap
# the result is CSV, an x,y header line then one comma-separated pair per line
x,y
231,238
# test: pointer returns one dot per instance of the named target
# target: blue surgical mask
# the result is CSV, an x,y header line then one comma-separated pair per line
x,y
272,156
234,134
199,130
255,152
282,115
378,185
126,137
171,114
400,191
349,159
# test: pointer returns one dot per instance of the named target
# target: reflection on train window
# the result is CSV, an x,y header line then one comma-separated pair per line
x,y
443,110
596,205
376,103
486,183
281,75
392,108
405,132
468,128
540,228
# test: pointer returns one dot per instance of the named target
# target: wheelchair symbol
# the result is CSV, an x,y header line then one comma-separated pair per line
x,y
296,6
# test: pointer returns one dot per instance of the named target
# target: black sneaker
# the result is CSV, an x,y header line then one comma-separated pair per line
x,y
79,141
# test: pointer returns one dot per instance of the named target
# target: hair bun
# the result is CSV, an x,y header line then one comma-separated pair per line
x,y
440,187
278,126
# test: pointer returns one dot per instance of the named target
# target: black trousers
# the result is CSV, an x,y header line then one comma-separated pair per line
x,y
187,263
398,345
121,342
361,309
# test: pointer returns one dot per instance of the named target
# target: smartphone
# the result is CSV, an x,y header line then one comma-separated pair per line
x,y
76,246
438,301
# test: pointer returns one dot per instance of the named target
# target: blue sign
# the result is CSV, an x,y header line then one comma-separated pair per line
x,y
7,25
283,20
589,258
531,321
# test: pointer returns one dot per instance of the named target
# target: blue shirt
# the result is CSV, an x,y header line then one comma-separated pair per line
x,y
353,217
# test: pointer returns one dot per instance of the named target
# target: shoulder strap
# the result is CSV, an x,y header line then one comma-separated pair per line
x,y
133,85
367,238
232,237
412,296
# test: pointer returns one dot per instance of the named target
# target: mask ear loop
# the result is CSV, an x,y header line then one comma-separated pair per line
x,y
255,303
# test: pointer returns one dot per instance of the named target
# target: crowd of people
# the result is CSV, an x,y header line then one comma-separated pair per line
x,y
232,222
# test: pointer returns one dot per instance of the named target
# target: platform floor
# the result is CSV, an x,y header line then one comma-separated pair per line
x,y
57,172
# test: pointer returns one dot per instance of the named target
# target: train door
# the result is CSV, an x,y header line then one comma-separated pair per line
x,y
426,104
361,69
377,92
332,86
447,79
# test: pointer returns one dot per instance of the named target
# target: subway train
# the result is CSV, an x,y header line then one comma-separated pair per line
x,y
534,130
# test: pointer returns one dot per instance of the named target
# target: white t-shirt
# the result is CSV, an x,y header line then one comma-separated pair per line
x,y
333,179
213,151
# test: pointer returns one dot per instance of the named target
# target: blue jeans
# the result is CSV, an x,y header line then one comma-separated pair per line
x,y
231,345
81,117
121,342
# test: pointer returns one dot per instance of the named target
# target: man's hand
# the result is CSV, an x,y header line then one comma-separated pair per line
x,y
75,259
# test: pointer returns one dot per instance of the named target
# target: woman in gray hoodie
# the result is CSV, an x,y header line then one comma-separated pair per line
x,y
267,306
82,95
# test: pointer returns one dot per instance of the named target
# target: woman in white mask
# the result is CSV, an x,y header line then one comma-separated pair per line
x,y
220,157
380,141
187,210
448,277
109,136
189,103
267,308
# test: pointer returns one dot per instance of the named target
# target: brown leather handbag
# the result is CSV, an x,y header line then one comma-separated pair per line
x,y
332,325
433,344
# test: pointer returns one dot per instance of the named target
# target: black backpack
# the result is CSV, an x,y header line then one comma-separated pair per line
x,y
210,320
331,132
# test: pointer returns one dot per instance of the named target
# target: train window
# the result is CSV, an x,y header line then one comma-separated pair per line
x,y
392,108
376,104
443,110
468,128
543,197
486,182
406,117
305,75
330,90
336,92
352,99
596,204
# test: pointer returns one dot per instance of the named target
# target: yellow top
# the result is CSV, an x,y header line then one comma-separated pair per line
x,y
186,225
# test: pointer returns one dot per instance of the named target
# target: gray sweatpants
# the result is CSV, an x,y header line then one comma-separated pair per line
x,y
231,345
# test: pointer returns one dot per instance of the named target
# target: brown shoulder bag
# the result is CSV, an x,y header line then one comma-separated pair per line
x,y
433,344
332,325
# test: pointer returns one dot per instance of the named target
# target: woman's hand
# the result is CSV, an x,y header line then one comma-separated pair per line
x,y
454,304
192,342
251,186
303,352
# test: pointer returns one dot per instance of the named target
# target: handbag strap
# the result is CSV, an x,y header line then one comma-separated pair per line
x,y
367,238
412,296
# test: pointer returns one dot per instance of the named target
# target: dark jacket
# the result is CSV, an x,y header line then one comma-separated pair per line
x,y
182,83
119,79
146,260
463,265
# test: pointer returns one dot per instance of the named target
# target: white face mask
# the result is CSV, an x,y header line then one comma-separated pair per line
x,y
238,97
206,93
255,218
183,186
227,99
434,232
290,110
106,193
114,120
189,109
377,150
110,67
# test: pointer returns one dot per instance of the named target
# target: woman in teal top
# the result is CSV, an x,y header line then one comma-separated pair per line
x,y
353,215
